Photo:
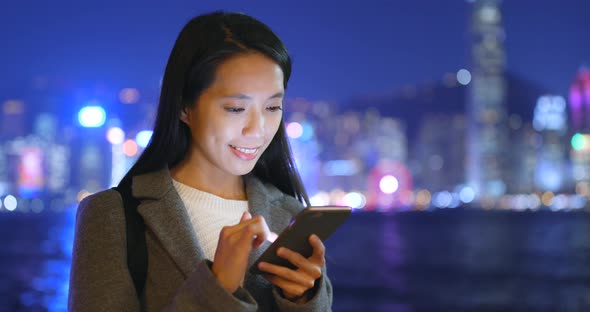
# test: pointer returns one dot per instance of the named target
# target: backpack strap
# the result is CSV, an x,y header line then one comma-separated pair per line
x,y
135,229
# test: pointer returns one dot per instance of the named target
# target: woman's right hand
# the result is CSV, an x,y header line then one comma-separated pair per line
x,y
233,249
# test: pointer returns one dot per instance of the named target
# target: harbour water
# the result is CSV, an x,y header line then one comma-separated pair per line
x,y
444,260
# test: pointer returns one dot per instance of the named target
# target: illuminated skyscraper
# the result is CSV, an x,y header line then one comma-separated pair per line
x,y
487,122
524,146
579,102
441,152
550,120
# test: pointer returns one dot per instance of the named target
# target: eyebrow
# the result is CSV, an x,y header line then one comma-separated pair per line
x,y
241,96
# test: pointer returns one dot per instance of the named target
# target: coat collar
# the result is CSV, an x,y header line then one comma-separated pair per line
x,y
165,215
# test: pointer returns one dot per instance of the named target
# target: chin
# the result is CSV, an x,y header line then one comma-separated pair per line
x,y
242,171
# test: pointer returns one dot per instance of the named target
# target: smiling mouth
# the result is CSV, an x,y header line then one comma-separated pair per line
x,y
244,149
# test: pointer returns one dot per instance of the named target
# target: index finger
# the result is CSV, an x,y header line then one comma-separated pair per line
x,y
257,226
245,222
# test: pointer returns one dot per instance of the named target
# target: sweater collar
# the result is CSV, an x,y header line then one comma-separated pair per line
x,y
164,213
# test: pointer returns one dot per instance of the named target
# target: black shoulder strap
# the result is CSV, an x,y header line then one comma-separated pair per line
x,y
136,248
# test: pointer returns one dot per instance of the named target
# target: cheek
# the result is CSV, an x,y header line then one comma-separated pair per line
x,y
275,123
210,127
224,131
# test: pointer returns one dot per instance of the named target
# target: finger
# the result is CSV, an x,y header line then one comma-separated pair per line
x,y
234,232
256,230
245,239
261,238
297,277
319,250
290,289
228,231
245,216
311,269
245,221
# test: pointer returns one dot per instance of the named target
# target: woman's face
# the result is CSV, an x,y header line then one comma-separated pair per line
x,y
236,118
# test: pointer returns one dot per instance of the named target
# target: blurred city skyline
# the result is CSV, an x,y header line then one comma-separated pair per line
x,y
90,100
340,50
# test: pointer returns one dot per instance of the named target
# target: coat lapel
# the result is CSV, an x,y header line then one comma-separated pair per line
x,y
265,201
165,215
258,204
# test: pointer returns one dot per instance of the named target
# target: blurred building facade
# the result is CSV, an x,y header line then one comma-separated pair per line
x,y
343,156
550,121
385,152
439,155
486,105
579,105
439,143
34,157
47,154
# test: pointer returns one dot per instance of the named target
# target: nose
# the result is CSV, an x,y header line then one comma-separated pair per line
x,y
254,126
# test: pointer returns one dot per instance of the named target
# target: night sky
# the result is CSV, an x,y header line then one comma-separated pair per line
x,y
340,49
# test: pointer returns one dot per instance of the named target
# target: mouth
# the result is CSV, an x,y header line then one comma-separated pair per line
x,y
245,153
245,150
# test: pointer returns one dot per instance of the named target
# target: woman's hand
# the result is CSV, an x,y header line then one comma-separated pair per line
x,y
233,249
295,283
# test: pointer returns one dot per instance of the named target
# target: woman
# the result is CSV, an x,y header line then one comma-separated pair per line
x,y
215,182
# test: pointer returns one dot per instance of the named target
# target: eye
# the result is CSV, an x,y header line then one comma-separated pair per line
x,y
275,108
234,109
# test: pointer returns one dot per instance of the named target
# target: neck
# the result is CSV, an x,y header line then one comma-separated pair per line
x,y
222,185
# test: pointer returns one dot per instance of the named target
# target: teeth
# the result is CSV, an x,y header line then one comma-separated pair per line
x,y
246,150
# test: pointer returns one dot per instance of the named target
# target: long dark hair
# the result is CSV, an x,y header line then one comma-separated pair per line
x,y
204,43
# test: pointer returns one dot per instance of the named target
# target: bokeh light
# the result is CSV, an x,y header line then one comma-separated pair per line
x,y
578,141
467,194
129,96
130,148
320,199
91,116
13,107
388,184
463,76
355,200
547,198
442,199
115,135
423,198
534,202
37,205
10,203
294,130
143,138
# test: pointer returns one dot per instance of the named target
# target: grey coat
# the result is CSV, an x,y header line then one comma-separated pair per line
x,y
179,277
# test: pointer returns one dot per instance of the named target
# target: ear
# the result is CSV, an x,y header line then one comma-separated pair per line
x,y
184,116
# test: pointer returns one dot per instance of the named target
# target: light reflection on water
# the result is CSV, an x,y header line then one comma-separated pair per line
x,y
37,264
449,260
462,260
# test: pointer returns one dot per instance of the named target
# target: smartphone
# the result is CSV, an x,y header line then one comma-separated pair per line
x,y
319,220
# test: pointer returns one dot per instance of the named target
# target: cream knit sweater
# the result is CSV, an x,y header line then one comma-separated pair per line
x,y
209,214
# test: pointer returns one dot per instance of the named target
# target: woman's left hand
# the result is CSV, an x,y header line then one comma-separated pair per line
x,y
294,283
